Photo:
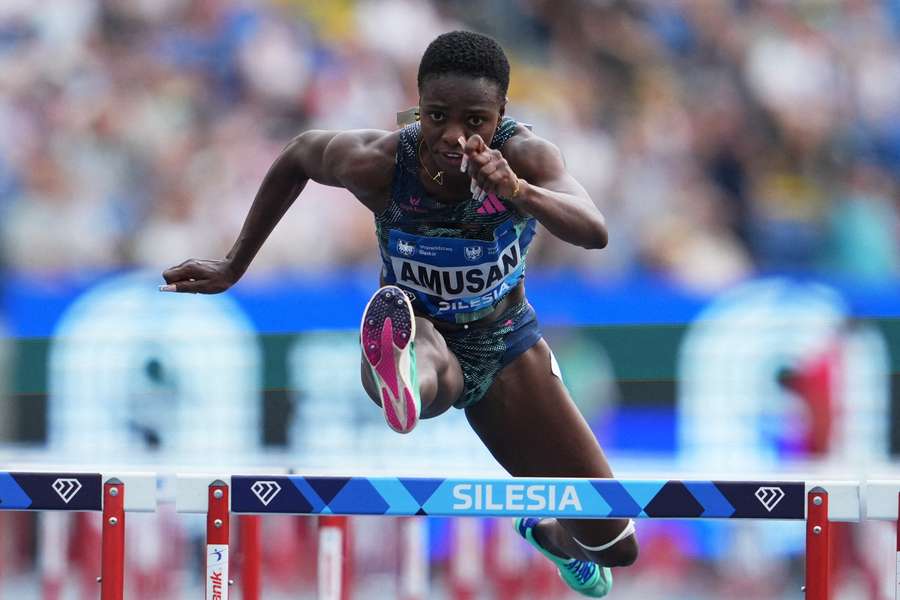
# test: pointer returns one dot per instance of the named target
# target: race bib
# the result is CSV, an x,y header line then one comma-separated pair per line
x,y
451,275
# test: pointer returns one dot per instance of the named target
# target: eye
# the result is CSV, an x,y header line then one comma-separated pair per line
x,y
476,121
436,116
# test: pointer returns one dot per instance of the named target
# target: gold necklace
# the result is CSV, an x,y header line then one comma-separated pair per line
x,y
439,178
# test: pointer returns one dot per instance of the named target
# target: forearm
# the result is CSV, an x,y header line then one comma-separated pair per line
x,y
280,187
570,217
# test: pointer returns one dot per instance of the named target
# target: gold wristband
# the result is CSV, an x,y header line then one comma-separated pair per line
x,y
515,192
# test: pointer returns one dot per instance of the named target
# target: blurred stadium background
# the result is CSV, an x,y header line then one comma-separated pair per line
x,y
742,320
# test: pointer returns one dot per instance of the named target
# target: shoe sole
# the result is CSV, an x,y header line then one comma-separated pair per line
x,y
387,329
522,524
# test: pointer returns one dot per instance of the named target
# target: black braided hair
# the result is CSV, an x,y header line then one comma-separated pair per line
x,y
465,53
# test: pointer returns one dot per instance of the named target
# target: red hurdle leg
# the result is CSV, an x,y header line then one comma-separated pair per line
x,y
333,568
467,560
112,566
250,559
217,523
818,550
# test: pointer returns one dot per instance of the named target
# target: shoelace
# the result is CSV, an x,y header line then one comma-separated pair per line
x,y
581,569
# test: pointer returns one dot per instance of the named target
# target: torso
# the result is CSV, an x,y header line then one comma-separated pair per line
x,y
460,260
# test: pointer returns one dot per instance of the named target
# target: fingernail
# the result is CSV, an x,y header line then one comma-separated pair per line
x,y
167,288
465,159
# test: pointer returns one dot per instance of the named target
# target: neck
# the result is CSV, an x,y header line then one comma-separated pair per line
x,y
454,184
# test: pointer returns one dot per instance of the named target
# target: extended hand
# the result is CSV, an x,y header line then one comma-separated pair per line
x,y
488,169
200,277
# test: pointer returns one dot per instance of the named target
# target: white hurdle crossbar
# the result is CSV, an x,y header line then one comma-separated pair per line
x,y
110,493
816,502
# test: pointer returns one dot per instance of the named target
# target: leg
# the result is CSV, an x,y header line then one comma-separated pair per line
x,y
406,360
530,424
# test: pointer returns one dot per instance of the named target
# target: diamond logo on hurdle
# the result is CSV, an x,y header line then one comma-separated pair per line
x,y
66,488
769,497
265,491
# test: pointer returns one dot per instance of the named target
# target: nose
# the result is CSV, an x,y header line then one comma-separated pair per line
x,y
451,135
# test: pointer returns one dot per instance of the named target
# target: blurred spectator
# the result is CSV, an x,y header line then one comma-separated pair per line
x,y
720,138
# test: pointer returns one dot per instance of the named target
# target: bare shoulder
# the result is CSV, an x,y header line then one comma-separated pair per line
x,y
361,150
531,156
360,160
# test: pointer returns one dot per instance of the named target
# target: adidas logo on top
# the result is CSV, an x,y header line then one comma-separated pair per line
x,y
491,205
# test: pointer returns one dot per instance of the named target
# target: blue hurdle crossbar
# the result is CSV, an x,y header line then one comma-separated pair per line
x,y
73,491
541,497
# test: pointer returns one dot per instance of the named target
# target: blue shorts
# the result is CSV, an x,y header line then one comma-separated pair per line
x,y
483,350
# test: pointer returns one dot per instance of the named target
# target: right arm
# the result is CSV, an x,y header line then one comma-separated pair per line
x,y
361,161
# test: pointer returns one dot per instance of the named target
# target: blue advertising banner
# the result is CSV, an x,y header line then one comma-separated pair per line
x,y
32,307
583,498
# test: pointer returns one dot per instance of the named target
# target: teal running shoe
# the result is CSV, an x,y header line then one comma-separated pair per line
x,y
585,577
386,333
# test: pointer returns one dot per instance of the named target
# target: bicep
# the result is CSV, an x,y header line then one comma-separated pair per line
x,y
541,163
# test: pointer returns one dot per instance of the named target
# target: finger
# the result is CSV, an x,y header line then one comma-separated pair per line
x,y
478,194
474,145
478,162
464,163
488,169
482,174
186,270
188,286
496,182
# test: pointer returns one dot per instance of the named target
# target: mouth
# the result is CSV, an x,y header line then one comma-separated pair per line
x,y
451,158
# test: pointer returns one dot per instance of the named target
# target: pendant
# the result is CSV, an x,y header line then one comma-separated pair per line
x,y
439,178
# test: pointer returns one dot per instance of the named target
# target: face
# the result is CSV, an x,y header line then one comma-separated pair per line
x,y
453,105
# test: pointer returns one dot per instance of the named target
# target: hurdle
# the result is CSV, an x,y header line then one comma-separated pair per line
x,y
817,502
86,492
882,503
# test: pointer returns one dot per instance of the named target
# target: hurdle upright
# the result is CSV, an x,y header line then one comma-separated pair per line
x,y
817,502
883,504
110,493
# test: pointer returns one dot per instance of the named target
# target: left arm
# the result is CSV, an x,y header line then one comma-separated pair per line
x,y
531,175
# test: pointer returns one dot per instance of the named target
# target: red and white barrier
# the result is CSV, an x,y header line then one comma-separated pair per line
x,y
333,560
818,548
883,503
217,537
414,564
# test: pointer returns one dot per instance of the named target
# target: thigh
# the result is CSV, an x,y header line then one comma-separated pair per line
x,y
530,424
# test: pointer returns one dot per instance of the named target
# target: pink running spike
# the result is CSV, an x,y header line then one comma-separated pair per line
x,y
387,332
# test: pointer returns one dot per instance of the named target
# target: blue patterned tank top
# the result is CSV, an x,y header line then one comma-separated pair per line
x,y
457,260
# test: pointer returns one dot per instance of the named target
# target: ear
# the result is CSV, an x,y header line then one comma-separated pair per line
x,y
503,106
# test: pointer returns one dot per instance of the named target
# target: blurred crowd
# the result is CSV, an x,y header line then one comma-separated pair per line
x,y
722,138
